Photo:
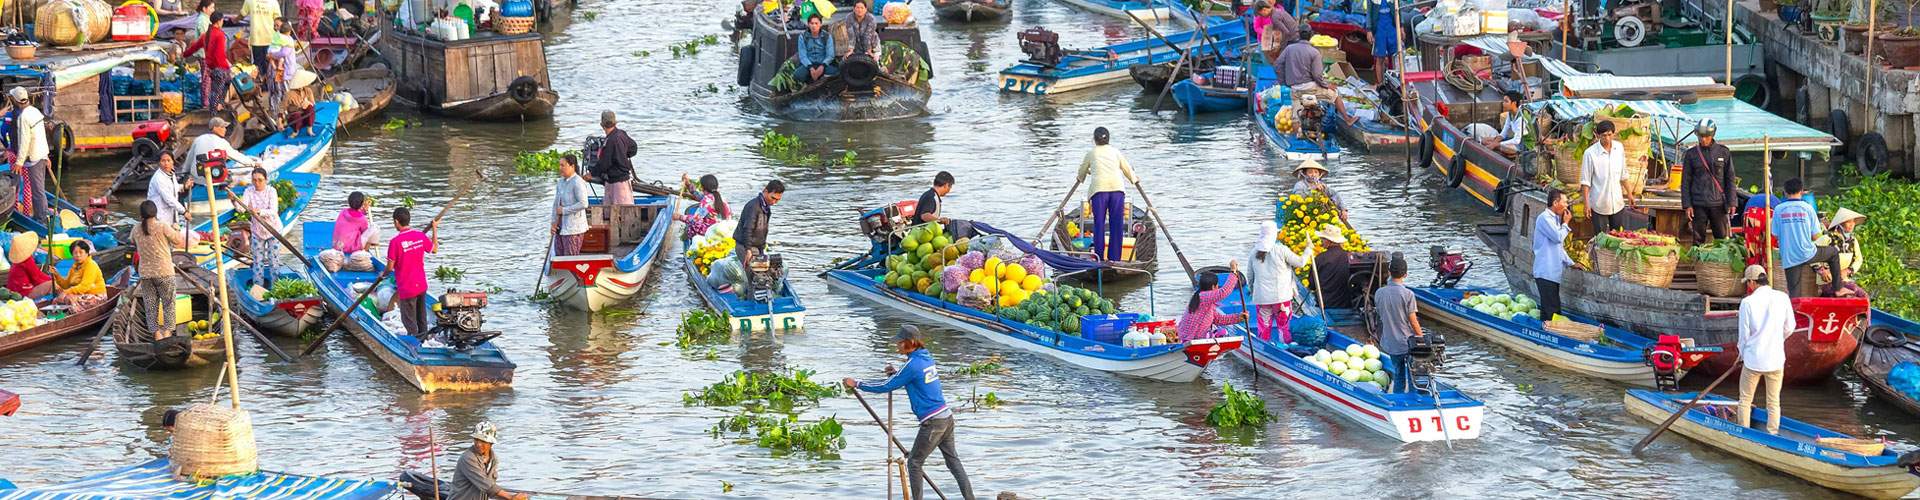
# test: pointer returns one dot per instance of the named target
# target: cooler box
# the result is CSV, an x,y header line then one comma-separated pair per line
x,y
1107,328
594,241
134,23
182,309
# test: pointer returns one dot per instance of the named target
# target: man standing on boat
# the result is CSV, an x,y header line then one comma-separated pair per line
x,y
750,236
1707,189
922,380
1399,321
1107,194
407,255
1766,315
1550,258
569,209
31,139
261,16
165,190
1796,224
816,53
928,208
1300,67
614,167
1603,180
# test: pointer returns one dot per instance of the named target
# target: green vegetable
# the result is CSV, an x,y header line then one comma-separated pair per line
x,y
1729,251
1239,409
291,288
699,327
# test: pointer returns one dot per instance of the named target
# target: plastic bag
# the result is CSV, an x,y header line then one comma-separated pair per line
x,y
973,260
975,295
984,244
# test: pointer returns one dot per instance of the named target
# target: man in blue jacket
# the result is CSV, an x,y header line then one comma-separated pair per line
x,y
922,381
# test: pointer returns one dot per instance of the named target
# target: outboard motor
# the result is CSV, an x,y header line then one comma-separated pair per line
x,y
1041,46
1449,265
215,160
458,320
590,152
764,274
1425,354
1669,355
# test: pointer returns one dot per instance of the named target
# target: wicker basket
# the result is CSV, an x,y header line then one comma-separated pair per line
x,y
56,24
1574,330
1655,272
1718,279
213,440
1857,446
1605,262
1566,162
514,25
21,52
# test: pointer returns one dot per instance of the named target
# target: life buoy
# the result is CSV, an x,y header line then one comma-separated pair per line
x,y
1426,150
1500,197
1457,169
524,89
1841,128
745,77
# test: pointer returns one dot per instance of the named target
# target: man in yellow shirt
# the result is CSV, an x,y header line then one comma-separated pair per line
x,y
1109,169
260,17
82,285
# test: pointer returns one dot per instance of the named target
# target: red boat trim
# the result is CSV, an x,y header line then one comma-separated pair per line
x,y
1323,392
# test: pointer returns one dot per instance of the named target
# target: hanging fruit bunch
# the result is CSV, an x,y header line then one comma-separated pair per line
x,y
1300,217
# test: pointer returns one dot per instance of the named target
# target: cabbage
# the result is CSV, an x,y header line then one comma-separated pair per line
x,y
1381,377
1372,352
1034,267
973,260
1356,351
1339,355
953,277
1337,367
1323,356
1373,365
1351,376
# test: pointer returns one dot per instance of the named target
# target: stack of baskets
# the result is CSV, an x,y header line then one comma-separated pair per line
x,y
211,441
1574,330
1637,146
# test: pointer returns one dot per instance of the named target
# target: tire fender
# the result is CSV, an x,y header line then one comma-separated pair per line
x,y
747,56
1457,169
524,89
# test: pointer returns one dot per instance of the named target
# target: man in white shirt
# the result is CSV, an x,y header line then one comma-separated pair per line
x,y
1512,124
164,189
1603,179
31,139
215,140
1766,316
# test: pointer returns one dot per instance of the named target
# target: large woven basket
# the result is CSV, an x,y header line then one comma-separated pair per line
x,y
1650,271
1605,261
1718,279
56,23
213,440
1574,330
1857,446
514,25
1566,162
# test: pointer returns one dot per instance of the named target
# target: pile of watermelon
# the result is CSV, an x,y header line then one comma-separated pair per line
x,y
1059,310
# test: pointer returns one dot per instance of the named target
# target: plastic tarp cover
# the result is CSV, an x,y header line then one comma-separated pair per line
x,y
154,479
1742,127
70,69
1061,263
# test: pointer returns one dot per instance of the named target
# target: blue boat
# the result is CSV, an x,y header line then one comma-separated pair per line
x,y
154,479
109,251
429,369
1081,69
783,312
1146,10
281,153
1409,417
1210,98
1618,355
283,317
1890,341
304,186
1271,98
615,271
1798,449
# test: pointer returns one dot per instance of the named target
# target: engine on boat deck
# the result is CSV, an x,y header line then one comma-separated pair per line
x,y
1425,354
1669,355
1449,265
1041,46
763,276
458,320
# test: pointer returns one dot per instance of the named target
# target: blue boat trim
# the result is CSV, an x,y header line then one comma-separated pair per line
x,y
1671,402
336,288
1207,99
1265,78
732,305
305,184
154,479
325,115
1448,299
1227,35
240,280
649,248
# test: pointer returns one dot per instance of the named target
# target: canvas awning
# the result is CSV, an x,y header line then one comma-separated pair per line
x,y
1742,127
70,67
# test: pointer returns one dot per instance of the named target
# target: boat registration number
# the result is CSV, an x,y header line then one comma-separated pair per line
x,y
1424,426
1024,85
770,323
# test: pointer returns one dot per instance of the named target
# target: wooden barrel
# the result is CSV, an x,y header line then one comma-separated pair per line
x,y
72,22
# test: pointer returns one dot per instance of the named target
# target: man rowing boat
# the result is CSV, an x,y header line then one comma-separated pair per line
x,y
922,381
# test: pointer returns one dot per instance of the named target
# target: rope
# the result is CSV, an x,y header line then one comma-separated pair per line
x,y
1460,76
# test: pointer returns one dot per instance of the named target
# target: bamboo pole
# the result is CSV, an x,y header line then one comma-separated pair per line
x,y
220,266
1406,108
1873,15
1566,25
1729,41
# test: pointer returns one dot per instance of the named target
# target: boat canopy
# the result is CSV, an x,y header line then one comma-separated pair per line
x,y
70,67
154,479
1057,261
1742,126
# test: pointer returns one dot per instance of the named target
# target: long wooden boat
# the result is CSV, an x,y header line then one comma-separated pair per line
x,y
633,243
1620,356
490,77
154,479
1142,238
281,154
1082,69
137,347
77,321
282,317
1373,127
972,10
1269,99
428,369
1794,451
1126,10
1409,417
782,312
372,89
1890,341
1197,98
863,90
1826,330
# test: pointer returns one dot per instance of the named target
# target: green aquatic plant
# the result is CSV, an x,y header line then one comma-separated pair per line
x,y
1889,239
787,149
787,434
773,389
1239,409
700,326
983,367
540,162
448,273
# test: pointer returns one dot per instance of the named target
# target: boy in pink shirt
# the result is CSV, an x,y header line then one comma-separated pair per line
x,y
407,254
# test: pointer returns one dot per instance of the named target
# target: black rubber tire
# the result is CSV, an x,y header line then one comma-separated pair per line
x,y
63,143
1457,169
1764,98
745,77
1803,105
1870,154
1426,150
1500,197
524,89
1841,127
146,149
859,71
1884,337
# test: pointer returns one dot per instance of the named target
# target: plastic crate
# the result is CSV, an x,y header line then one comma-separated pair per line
x,y
1107,328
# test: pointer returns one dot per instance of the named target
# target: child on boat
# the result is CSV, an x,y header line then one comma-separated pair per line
x,y
1270,274
1203,318
922,381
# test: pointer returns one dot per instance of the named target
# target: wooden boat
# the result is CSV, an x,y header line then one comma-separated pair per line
x,y
1082,69
78,321
1126,10
68,83
1409,417
9,402
372,89
1794,451
490,77
1139,254
428,369
154,479
281,154
305,184
863,90
783,312
1374,125
135,343
1890,341
1270,98
109,251
1211,97
1826,330
972,10
282,317
1620,355
616,258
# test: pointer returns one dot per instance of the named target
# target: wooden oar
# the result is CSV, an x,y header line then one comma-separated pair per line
x,y
1044,226
1657,431
347,309
253,331
896,442
1158,221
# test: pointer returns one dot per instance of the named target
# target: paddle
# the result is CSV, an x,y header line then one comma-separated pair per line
x,y
1057,210
1164,230
347,310
1657,431
896,442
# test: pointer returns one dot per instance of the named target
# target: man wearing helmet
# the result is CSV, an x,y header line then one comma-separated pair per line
x,y
1707,188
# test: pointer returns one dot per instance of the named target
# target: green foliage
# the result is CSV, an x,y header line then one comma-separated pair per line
x,y
691,48
1239,409
291,288
397,123
787,434
445,274
757,387
783,81
849,158
983,367
699,327
902,62
540,162
589,16
1731,252
787,149
1888,239
283,189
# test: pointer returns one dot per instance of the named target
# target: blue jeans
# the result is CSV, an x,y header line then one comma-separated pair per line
x,y
1109,223
1402,379
804,73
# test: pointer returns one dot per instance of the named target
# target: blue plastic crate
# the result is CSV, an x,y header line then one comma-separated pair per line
x,y
1107,328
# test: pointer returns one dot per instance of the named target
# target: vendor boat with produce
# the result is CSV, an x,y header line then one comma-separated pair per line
x,y
1048,69
1297,124
751,298
880,73
995,285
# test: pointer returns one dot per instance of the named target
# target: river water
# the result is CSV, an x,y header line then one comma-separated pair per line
x,y
595,406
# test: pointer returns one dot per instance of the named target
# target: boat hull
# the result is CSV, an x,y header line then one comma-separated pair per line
x,y
784,313
1541,345
495,108
1197,99
372,90
82,321
1124,11
971,10
610,285
285,317
834,99
1900,343
1868,479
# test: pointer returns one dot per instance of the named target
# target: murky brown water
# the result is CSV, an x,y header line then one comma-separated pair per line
x,y
596,403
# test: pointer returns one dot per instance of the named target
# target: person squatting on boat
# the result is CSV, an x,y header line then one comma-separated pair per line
x,y
475,477
354,238
816,56
154,241
709,210
1707,188
1766,316
1107,194
1550,260
614,167
1311,174
1603,180
25,276
1846,246
262,205
1203,319
1399,321
1796,225
921,378
570,195
1513,124
407,255
1270,273
83,284
1300,67
862,32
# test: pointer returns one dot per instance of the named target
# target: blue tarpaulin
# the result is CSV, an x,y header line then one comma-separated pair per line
x,y
1061,263
1742,127
155,480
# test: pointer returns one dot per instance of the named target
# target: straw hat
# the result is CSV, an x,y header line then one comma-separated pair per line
x,y
24,244
1843,216
1309,165
1331,233
486,432
302,79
